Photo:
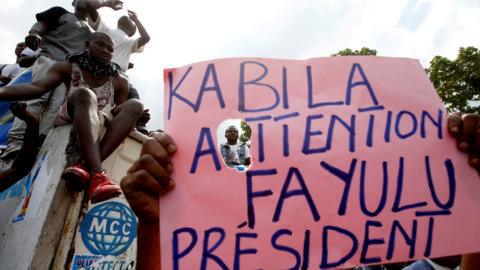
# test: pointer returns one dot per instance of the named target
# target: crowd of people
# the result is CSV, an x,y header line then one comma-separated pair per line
x,y
78,76
79,68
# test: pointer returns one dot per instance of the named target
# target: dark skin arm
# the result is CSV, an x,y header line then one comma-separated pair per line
x,y
5,80
26,61
94,5
57,74
465,128
120,85
144,36
147,180
25,159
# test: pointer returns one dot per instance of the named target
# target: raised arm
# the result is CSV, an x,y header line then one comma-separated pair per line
x,y
56,75
144,36
93,6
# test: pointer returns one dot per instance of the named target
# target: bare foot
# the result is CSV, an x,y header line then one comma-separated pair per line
x,y
20,110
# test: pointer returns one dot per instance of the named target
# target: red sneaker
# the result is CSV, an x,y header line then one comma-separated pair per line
x,y
77,177
102,188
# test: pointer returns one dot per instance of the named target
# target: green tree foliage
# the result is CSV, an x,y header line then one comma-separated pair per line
x,y
362,51
458,81
246,132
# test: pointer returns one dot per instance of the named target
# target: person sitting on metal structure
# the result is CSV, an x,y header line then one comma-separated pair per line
x,y
62,33
96,94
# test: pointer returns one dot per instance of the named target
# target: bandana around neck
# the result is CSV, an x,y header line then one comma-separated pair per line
x,y
97,69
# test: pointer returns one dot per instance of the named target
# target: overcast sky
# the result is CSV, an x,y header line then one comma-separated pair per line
x,y
187,31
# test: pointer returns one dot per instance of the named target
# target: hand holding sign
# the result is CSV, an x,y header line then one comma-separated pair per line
x,y
150,177
466,129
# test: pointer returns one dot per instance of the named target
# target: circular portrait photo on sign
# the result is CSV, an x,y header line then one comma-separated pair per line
x,y
234,136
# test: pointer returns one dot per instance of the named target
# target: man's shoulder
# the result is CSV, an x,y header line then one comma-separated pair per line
x,y
120,82
52,14
120,78
62,67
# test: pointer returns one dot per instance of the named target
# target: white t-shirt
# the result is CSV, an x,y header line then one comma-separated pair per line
x,y
124,45
11,70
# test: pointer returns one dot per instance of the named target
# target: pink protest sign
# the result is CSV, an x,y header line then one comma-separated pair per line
x,y
351,164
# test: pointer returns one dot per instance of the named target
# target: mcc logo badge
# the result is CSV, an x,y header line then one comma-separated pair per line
x,y
108,229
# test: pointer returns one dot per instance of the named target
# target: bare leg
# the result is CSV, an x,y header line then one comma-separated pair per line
x,y
83,110
125,118
26,157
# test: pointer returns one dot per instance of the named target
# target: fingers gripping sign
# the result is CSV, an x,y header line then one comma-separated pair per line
x,y
466,129
149,177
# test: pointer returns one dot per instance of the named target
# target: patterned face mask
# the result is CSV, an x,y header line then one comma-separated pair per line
x,y
98,70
